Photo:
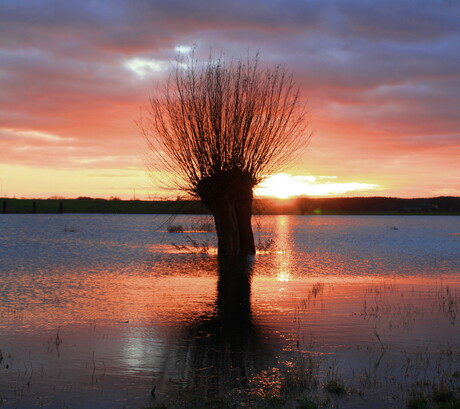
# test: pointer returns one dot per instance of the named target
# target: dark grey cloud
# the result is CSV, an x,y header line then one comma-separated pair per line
x,y
405,21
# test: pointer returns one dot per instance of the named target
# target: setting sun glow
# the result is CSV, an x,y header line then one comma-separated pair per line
x,y
381,113
283,186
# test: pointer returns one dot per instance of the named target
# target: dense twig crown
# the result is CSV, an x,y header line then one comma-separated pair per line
x,y
221,117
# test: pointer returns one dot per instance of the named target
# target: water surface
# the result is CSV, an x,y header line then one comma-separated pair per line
x,y
101,310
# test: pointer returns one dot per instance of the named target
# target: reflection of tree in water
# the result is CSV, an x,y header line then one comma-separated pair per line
x,y
218,353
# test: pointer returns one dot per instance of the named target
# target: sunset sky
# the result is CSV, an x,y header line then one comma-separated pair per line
x,y
381,80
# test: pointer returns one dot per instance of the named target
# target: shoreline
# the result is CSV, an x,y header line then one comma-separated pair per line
x,y
373,206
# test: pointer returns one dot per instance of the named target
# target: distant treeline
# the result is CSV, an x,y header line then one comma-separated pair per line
x,y
299,206
90,205
360,205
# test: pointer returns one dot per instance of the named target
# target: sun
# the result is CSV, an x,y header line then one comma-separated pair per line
x,y
284,186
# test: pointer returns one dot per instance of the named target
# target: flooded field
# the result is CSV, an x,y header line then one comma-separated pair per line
x,y
114,311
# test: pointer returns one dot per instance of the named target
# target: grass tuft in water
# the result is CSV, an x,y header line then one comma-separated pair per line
x,y
441,397
335,386
175,228
307,404
159,406
417,402
193,246
202,227
265,245
302,375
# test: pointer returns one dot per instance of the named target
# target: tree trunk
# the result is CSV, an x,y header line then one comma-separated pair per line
x,y
228,195
233,306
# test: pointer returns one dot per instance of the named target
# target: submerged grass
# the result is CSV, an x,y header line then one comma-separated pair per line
x,y
336,387
193,246
444,398
305,377
266,245
193,228
175,228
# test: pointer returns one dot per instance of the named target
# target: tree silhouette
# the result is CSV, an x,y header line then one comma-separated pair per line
x,y
221,128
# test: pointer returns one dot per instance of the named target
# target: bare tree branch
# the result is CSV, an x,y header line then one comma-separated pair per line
x,y
220,117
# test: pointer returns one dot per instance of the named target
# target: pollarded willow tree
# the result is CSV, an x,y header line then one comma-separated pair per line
x,y
221,128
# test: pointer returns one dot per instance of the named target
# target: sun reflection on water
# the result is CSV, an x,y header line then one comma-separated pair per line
x,y
283,276
282,231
